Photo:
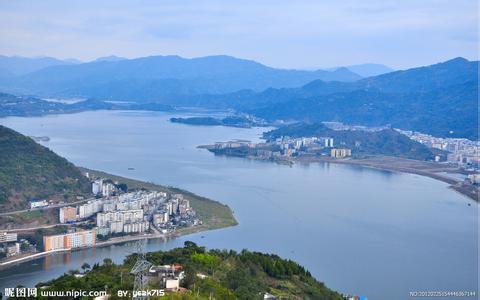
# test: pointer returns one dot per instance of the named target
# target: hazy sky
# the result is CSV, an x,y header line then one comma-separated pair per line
x,y
290,34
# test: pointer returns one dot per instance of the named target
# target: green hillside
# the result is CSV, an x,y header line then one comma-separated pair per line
x,y
227,275
385,142
31,171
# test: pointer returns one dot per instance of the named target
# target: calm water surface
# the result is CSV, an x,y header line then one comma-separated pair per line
x,y
361,231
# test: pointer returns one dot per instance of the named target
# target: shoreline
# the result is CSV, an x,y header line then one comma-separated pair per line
x,y
387,163
213,214
407,166
113,241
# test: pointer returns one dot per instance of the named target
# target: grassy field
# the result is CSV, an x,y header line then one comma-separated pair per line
x,y
212,213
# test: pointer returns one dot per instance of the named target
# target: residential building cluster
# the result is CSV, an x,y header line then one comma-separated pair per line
x,y
174,212
10,246
462,152
283,148
123,213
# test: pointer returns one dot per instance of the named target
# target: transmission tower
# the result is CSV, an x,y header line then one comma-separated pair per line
x,y
140,271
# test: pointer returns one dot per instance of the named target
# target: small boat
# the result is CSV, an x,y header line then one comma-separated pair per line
x,y
130,168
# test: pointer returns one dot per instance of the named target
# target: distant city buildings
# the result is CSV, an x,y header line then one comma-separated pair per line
x,y
340,153
462,152
280,149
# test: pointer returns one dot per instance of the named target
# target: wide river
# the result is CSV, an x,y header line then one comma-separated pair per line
x,y
361,231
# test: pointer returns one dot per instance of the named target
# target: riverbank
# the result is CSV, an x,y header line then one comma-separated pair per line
x,y
212,214
434,170
112,241
424,168
12,262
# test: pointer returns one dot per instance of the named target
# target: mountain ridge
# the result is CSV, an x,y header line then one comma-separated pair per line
x,y
210,74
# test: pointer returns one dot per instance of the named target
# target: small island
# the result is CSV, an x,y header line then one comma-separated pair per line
x,y
241,121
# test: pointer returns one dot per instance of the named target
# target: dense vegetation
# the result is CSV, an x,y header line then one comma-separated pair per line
x,y
385,142
29,171
232,121
440,100
231,275
11,105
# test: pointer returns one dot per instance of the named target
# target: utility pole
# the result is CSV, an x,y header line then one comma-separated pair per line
x,y
140,270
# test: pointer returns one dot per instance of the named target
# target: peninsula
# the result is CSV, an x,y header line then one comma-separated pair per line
x,y
382,148
50,205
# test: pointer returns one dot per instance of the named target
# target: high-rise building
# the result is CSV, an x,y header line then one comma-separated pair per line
x,y
78,239
67,214
97,186
107,189
89,209
340,153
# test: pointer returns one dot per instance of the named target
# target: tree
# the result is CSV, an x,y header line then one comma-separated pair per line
x,y
85,267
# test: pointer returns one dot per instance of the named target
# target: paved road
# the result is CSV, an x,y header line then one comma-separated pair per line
x,y
43,226
47,207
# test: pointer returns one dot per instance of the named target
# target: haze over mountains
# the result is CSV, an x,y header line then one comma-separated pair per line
x,y
160,77
368,70
18,65
440,99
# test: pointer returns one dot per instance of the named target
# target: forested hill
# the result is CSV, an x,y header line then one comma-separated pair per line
x,y
31,171
440,100
224,275
385,142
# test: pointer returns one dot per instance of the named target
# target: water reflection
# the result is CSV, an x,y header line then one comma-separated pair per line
x,y
350,226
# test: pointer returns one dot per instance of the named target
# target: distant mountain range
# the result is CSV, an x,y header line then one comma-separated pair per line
x,y
157,78
440,99
11,66
368,70
110,58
